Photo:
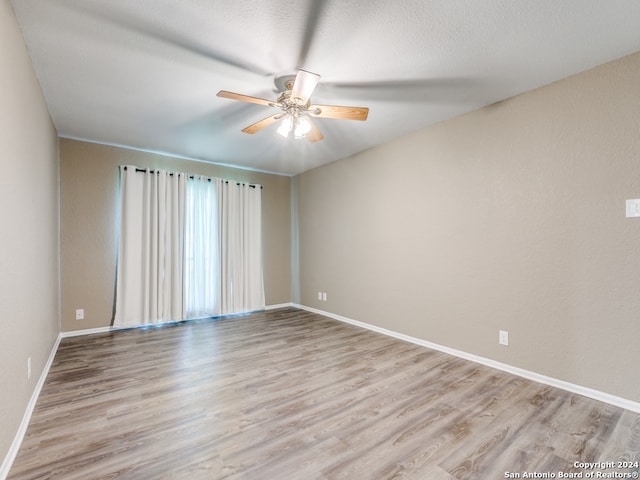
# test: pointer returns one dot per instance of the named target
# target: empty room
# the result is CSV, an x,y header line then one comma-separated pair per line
x,y
323,239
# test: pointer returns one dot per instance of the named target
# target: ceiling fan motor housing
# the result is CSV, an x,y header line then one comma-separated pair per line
x,y
284,82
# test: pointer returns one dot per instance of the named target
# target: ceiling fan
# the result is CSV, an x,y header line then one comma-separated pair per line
x,y
296,107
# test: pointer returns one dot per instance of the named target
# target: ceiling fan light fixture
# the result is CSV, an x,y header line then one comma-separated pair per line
x,y
285,125
301,127
296,123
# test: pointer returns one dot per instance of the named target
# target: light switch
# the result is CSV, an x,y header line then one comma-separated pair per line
x,y
633,208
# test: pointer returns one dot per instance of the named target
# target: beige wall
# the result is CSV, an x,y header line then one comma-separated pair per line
x,y
511,217
88,212
29,286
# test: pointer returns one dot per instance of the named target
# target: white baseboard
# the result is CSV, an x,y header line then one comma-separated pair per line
x,y
88,331
536,377
22,430
279,305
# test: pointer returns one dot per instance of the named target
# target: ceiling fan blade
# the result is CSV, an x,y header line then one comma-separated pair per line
x,y
441,90
303,86
245,98
341,112
265,122
314,134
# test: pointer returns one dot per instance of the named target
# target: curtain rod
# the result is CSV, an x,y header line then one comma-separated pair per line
x,y
142,170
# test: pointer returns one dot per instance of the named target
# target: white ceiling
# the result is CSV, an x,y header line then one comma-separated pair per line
x,y
145,73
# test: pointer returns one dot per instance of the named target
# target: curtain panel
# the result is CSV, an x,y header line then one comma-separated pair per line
x,y
150,251
241,248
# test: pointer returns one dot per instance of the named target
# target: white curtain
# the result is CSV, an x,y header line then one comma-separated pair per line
x,y
241,247
150,258
189,247
202,248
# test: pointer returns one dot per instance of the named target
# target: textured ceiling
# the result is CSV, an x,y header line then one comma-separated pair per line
x,y
145,74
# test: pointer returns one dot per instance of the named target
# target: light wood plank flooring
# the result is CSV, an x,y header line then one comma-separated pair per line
x,y
287,394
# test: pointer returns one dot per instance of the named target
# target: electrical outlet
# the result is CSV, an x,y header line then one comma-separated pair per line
x,y
633,208
28,368
319,295
503,337
80,314
324,296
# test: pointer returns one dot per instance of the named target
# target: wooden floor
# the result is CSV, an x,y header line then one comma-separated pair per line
x,y
287,394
